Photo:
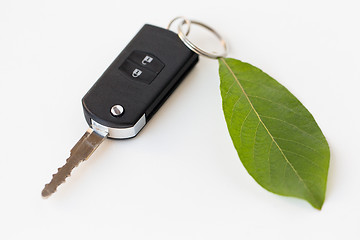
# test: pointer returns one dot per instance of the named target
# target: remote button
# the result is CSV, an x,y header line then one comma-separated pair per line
x,y
146,60
135,72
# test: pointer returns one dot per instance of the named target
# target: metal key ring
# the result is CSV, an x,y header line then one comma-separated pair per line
x,y
193,47
185,20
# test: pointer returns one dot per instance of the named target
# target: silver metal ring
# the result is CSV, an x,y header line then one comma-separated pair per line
x,y
185,20
193,47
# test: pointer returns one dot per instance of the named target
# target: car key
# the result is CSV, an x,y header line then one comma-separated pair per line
x,y
129,93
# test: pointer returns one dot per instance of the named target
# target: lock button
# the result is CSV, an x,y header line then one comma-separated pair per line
x,y
147,61
135,72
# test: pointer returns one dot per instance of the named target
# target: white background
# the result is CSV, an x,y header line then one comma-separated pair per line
x,y
180,178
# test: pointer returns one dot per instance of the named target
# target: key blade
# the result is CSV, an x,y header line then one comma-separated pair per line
x,y
82,150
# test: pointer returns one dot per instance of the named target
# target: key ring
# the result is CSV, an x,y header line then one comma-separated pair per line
x,y
192,46
185,20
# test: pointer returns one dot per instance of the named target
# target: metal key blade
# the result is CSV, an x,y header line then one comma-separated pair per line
x,y
83,149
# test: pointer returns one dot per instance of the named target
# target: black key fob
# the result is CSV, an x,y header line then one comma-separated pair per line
x,y
138,82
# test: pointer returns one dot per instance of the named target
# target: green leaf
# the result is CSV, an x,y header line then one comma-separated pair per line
x,y
276,137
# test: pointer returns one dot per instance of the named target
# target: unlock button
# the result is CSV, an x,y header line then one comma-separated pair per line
x,y
147,61
135,72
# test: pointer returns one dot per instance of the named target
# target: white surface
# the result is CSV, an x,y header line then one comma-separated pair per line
x,y
181,177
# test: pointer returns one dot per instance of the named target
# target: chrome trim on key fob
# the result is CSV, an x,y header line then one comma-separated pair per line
x,y
119,133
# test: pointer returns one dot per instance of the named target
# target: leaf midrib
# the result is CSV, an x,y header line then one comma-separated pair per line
x,y
267,130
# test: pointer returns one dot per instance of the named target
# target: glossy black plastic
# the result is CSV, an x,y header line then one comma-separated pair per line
x,y
166,60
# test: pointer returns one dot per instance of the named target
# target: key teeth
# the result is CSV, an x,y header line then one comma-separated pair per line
x,y
47,191
79,153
